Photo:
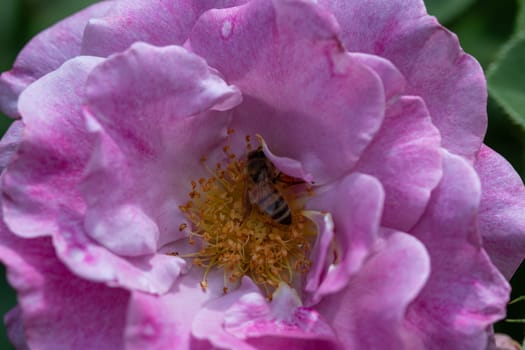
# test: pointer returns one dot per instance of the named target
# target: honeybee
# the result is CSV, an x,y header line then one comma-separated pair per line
x,y
261,191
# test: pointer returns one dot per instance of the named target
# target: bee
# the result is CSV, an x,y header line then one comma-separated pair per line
x,y
261,191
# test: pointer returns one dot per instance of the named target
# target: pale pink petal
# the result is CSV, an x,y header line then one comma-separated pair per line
x,y
301,91
160,23
405,157
355,204
45,53
151,135
465,293
501,218
450,82
165,322
60,310
370,312
55,147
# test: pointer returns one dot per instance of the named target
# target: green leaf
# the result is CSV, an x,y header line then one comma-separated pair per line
x,y
506,76
447,10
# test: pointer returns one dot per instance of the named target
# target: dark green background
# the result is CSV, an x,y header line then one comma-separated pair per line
x,y
483,26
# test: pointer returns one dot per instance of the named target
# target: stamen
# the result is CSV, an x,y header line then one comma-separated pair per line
x,y
255,244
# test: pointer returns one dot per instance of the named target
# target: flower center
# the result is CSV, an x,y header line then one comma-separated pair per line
x,y
246,220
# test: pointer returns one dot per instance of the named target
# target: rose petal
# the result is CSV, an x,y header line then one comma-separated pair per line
x,y
159,23
450,82
45,53
10,143
355,204
165,322
405,157
301,91
501,221
15,328
375,301
393,81
44,174
152,273
57,307
281,322
465,293
151,135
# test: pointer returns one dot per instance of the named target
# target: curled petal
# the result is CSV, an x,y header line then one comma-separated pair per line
x,y
501,220
377,298
301,91
10,143
150,137
465,293
159,23
355,204
405,156
165,322
45,53
151,273
50,160
450,82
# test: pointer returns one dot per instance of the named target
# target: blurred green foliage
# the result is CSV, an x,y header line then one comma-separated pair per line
x,y
483,27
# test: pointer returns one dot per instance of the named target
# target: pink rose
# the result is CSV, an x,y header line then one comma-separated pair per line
x,y
390,225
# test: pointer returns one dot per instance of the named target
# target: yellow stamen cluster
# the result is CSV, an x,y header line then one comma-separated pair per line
x,y
242,240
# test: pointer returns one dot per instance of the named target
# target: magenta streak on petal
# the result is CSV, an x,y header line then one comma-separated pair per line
x,y
465,293
44,173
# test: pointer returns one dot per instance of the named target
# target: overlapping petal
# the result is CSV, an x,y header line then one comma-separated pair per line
x,y
500,221
150,273
56,306
44,174
465,293
45,53
164,322
301,91
357,98
405,157
151,135
370,312
450,82
355,204
159,23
